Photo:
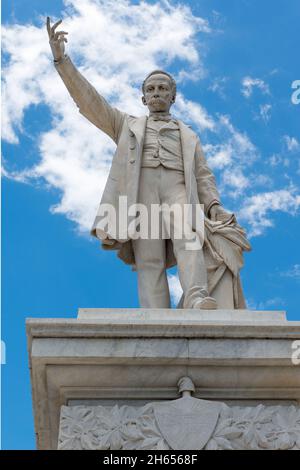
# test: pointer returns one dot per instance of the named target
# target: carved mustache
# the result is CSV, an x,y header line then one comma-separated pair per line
x,y
156,100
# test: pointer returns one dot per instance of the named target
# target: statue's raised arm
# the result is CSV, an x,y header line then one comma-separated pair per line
x,y
90,103
159,162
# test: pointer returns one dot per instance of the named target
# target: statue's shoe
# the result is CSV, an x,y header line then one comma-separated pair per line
x,y
206,303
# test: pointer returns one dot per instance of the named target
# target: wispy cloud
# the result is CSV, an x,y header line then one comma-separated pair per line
x,y
293,272
291,143
218,86
273,303
249,83
256,209
290,147
277,159
265,112
233,155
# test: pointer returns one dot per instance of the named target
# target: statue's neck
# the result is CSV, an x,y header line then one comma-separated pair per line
x,y
160,115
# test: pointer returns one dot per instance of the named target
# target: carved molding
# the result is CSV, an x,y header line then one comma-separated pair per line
x,y
128,427
184,424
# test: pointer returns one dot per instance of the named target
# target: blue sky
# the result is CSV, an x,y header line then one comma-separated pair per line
x,y
244,56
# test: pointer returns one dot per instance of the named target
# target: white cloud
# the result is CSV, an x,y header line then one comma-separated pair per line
x,y
249,83
234,147
27,49
118,48
276,160
73,154
219,155
218,86
291,143
255,209
260,180
233,156
175,288
265,112
194,113
246,150
290,149
273,303
234,178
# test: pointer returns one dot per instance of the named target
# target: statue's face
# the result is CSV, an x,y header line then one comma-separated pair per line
x,y
158,93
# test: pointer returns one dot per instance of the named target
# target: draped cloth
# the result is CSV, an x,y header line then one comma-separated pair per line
x,y
224,245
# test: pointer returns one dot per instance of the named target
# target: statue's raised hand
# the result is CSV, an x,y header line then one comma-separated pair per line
x,y
57,39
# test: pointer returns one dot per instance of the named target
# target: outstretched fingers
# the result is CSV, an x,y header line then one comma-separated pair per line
x,y
59,35
48,26
51,29
55,26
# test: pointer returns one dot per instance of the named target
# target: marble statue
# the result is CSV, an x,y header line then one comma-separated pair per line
x,y
159,161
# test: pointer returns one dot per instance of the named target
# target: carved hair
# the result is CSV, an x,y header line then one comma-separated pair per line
x,y
155,72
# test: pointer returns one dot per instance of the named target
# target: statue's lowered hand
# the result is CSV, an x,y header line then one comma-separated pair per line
x,y
57,40
108,241
217,213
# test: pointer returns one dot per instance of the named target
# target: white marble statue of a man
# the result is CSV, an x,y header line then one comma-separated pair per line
x,y
159,160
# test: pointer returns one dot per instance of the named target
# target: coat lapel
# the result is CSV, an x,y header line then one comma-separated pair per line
x,y
138,127
137,130
188,141
188,144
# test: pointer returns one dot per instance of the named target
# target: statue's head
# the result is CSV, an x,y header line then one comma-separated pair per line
x,y
159,91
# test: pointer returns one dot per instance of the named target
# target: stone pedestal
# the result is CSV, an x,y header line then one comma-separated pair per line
x,y
134,358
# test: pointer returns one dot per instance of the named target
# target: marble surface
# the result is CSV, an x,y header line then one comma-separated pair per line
x,y
123,356
187,423
127,427
186,315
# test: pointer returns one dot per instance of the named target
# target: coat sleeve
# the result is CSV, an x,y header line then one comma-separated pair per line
x,y
206,183
90,103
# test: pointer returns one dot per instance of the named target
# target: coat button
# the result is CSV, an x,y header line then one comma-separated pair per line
x,y
131,161
132,147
